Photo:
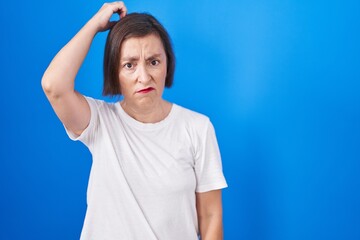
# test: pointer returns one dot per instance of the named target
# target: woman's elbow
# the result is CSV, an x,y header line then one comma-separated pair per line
x,y
46,85
52,87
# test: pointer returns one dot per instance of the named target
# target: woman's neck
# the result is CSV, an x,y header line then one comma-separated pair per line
x,y
147,114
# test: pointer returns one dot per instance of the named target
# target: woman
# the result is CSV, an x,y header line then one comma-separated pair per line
x,y
156,171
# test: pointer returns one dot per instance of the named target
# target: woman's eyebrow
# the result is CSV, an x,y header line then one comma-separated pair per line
x,y
132,58
153,56
129,59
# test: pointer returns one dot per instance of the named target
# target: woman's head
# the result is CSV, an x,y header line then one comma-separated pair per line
x,y
134,25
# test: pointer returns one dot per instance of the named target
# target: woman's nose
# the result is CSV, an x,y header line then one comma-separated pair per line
x,y
143,74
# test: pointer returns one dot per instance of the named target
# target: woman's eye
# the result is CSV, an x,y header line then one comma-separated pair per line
x,y
155,62
128,65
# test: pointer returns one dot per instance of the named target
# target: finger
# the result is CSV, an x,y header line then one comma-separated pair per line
x,y
123,13
120,8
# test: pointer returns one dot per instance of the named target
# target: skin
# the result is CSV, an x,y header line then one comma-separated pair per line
x,y
209,212
142,65
58,80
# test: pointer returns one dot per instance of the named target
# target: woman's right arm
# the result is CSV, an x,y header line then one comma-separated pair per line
x,y
58,80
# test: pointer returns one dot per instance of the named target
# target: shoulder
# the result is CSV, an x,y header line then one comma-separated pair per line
x,y
100,106
191,114
192,118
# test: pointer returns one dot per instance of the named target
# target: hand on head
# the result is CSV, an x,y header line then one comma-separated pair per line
x,y
102,17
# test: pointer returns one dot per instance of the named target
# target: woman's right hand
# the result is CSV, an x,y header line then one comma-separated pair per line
x,y
102,18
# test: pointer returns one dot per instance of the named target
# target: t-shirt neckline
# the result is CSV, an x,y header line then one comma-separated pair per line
x,y
145,126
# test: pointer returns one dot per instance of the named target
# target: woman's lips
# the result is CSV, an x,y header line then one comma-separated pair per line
x,y
145,90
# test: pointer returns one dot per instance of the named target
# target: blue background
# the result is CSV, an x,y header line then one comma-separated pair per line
x,y
279,80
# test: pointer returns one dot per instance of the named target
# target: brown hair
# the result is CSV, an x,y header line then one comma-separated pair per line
x,y
133,25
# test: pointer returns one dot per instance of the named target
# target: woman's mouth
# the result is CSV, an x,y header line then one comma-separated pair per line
x,y
145,90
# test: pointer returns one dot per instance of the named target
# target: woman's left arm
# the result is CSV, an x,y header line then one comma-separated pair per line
x,y
209,211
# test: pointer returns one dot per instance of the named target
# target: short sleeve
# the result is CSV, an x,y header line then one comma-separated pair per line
x,y
208,166
88,135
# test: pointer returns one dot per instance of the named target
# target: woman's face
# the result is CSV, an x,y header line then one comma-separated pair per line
x,y
142,70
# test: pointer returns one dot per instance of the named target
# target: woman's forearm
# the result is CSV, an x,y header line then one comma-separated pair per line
x,y
211,227
209,211
60,75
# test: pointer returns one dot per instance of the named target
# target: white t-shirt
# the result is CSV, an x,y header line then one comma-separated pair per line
x,y
144,176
